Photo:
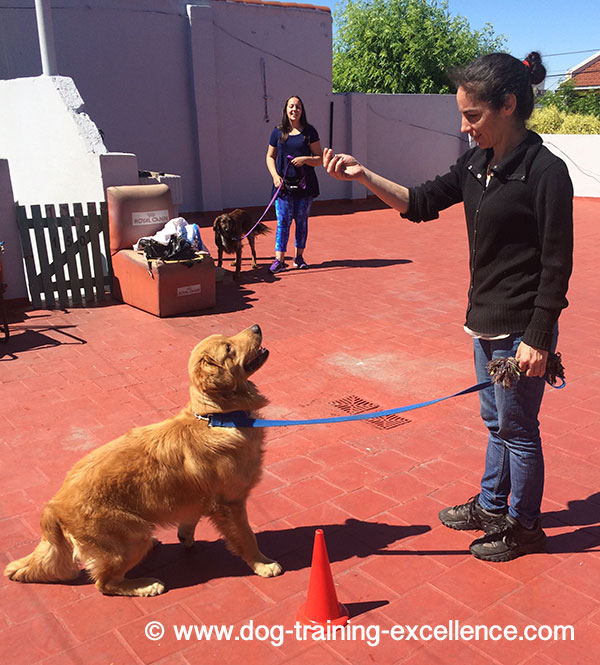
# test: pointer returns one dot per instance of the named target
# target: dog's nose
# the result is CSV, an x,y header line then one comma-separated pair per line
x,y
256,329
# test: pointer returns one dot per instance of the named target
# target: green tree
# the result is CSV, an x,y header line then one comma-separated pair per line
x,y
392,46
569,99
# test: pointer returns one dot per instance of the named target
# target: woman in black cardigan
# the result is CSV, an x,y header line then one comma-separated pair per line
x,y
518,200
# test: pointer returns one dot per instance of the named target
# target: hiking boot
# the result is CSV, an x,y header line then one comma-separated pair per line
x,y
471,515
277,266
513,541
299,262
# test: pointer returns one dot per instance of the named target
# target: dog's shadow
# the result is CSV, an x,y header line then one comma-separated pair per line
x,y
178,567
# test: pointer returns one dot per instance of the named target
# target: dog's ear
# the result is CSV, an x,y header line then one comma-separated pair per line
x,y
216,222
211,377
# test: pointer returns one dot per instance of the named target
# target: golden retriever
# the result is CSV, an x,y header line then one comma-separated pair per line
x,y
229,228
172,472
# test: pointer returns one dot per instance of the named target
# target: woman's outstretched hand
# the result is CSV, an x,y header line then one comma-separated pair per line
x,y
341,167
346,167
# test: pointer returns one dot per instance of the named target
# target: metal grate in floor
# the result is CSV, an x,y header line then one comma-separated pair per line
x,y
388,422
354,405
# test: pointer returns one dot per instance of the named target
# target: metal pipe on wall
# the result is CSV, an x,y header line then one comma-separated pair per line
x,y
43,13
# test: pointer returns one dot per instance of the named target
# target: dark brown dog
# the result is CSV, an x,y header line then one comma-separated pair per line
x,y
229,230
173,472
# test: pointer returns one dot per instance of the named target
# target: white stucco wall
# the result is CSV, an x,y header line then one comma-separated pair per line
x,y
180,84
247,59
194,88
411,138
53,147
39,126
581,154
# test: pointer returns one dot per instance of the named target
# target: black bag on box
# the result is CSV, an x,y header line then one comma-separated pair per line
x,y
177,249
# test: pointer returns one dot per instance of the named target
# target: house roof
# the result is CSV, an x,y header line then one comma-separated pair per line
x,y
587,73
295,5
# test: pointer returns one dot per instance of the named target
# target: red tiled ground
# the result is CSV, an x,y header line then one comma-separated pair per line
x,y
377,317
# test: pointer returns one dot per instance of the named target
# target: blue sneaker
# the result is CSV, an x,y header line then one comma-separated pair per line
x,y
277,266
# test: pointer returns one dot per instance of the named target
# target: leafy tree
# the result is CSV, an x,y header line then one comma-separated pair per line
x,y
392,46
570,100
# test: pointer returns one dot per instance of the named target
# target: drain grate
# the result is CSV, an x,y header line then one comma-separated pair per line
x,y
353,404
388,422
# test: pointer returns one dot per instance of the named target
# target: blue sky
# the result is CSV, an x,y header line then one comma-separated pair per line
x,y
547,26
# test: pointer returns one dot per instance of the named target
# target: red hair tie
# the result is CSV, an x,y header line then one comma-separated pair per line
x,y
526,63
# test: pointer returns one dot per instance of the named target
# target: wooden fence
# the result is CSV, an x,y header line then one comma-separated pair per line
x,y
66,254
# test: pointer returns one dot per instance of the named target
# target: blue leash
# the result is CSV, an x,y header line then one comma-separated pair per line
x,y
242,419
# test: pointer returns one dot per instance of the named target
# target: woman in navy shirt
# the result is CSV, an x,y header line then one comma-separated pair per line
x,y
294,150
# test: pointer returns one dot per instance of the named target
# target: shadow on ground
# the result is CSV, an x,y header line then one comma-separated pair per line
x,y
30,339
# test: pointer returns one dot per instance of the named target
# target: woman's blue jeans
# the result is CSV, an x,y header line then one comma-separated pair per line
x,y
514,463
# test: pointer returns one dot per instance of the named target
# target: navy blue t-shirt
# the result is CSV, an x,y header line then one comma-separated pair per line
x,y
296,145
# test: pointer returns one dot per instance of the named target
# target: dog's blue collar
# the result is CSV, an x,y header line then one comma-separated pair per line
x,y
231,416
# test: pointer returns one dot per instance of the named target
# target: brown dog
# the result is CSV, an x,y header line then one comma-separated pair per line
x,y
229,230
173,472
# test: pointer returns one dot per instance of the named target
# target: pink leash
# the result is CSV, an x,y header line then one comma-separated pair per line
x,y
272,200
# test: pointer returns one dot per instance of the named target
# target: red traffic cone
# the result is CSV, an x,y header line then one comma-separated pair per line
x,y
322,606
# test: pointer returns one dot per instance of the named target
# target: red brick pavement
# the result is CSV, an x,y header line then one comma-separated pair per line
x,y
378,317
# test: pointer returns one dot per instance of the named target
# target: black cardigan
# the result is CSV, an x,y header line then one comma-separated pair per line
x,y
520,230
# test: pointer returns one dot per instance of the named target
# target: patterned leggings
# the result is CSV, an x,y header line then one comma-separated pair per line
x,y
286,210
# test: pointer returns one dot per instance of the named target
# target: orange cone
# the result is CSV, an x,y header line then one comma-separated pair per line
x,y
322,606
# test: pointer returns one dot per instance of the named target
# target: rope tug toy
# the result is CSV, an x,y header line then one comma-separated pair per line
x,y
506,372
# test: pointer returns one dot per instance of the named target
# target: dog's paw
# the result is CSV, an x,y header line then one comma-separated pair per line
x,y
142,587
16,572
270,569
186,537
154,589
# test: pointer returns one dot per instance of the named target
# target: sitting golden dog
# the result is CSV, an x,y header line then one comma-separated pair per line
x,y
172,472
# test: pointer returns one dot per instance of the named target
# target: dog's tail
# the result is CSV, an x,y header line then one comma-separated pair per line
x,y
262,229
51,561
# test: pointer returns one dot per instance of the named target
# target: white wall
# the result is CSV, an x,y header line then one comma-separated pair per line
x,y
581,154
53,147
129,60
196,88
183,86
181,89
247,60
407,138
